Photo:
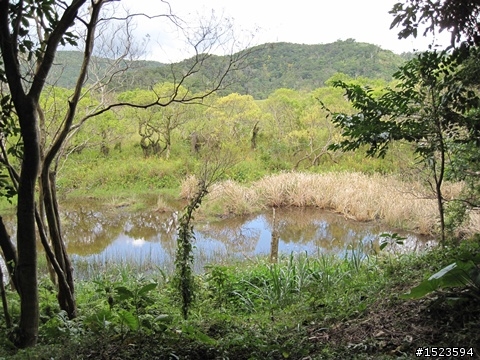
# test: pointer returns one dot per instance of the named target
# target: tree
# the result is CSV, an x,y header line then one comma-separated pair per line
x,y
16,19
155,126
435,105
315,131
233,119
285,106
30,34
460,18
430,107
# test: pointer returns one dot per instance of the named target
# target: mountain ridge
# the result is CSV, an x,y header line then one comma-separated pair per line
x,y
267,67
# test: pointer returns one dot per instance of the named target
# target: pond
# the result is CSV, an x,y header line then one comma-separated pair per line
x,y
149,238
96,239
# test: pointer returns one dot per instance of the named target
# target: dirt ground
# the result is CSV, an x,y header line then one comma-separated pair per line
x,y
396,328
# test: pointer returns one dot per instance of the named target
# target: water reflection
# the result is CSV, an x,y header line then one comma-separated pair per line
x,y
118,236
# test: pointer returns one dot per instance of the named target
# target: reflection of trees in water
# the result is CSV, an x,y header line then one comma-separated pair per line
x,y
338,233
329,231
233,233
90,232
154,227
295,226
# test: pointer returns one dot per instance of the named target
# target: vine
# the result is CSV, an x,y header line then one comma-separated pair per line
x,y
184,259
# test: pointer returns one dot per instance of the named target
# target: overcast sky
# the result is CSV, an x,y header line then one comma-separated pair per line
x,y
299,21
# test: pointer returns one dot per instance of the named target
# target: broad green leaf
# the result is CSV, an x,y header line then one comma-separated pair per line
x,y
146,288
456,274
164,318
383,245
129,319
124,293
424,288
442,272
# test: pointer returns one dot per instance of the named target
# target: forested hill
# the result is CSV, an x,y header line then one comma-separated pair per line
x,y
306,67
267,68
67,65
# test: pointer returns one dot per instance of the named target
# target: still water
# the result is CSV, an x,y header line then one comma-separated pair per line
x,y
147,240
136,238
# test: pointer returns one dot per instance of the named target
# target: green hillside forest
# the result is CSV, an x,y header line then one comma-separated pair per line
x,y
268,67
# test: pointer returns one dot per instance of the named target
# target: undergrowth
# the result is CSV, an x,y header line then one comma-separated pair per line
x,y
296,308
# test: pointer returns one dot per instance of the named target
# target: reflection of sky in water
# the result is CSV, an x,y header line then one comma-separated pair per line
x,y
209,247
102,238
128,249
299,231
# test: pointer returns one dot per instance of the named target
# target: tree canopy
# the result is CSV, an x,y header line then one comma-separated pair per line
x,y
460,18
267,68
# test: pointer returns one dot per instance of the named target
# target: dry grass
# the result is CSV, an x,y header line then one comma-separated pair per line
x,y
234,199
188,187
355,195
473,224
162,206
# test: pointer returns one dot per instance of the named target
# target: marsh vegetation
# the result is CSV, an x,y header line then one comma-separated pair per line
x,y
174,156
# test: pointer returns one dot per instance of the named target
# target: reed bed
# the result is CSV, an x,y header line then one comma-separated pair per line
x,y
399,204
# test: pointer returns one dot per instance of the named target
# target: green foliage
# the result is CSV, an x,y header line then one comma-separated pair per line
x,y
126,306
387,239
295,119
60,327
458,18
255,307
431,107
267,68
457,274
248,170
184,259
156,125
297,279
69,62
410,112
12,144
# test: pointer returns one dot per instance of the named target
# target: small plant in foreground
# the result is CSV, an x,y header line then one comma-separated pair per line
x,y
125,306
461,273
388,239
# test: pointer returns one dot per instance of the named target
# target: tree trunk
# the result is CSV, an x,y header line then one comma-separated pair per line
x,y
6,314
253,140
66,296
275,240
26,269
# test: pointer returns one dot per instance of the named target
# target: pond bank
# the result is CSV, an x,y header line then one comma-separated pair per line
x,y
398,204
300,308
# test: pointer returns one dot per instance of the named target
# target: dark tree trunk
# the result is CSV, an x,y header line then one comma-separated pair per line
x,y
26,269
253,140
66,294
6,314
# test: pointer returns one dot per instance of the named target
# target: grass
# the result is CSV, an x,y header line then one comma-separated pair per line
x,y
320,307
399,204
128,172
124,173
127,179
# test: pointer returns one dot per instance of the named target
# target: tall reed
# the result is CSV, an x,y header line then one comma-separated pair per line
x,y
399,204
